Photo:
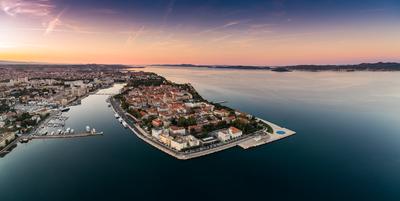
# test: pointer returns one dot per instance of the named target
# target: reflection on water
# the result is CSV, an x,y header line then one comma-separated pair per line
x,y
347,145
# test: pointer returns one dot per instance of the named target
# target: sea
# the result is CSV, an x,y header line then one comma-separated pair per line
x,y
346,147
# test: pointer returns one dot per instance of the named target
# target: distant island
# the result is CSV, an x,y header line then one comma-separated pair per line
x,y
380,66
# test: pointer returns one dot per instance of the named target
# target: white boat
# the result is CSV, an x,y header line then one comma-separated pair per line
x,y
93,131
124,124
116,116
88,129
72,131
120,120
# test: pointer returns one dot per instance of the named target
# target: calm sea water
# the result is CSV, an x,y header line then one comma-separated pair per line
x,y
347,145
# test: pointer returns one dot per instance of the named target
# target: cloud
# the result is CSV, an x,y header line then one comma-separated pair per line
x,y
221,38
56,21
133,36
226,25
38,8
169,9
229,24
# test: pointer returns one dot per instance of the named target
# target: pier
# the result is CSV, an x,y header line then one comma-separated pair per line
x,y
77,135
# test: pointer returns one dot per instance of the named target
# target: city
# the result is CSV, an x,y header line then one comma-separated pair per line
x,y
238,100
172,117
33,100
177,120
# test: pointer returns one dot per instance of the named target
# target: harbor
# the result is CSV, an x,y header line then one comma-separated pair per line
x,y
53,127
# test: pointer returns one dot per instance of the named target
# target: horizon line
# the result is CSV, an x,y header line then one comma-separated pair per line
x,y
21,62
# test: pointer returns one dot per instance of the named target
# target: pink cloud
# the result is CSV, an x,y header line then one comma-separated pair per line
x,y
38,8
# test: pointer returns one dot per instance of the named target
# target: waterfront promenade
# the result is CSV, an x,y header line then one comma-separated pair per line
x,y
265,137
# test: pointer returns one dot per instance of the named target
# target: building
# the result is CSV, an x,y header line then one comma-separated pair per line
x,y
234,132
178,143
221,113
166,139
195,129
6,138
155,132
223,135
157,123
175,130
208,141
192,141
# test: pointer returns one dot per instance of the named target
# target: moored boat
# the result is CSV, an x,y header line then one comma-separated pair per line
x,y
88,129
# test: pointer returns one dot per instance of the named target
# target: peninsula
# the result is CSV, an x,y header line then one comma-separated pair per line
x,y
175,119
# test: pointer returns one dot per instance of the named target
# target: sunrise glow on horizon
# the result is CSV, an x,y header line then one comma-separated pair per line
x,y
254,32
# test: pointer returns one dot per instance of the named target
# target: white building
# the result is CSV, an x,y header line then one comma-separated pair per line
x,y
178,143
156,132
191,104
223,135
192,141
177,130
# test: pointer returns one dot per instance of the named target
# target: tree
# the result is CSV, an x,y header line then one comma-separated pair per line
x,y
135,113
183,122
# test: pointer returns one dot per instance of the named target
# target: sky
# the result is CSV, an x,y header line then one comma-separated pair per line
x,y
225,32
